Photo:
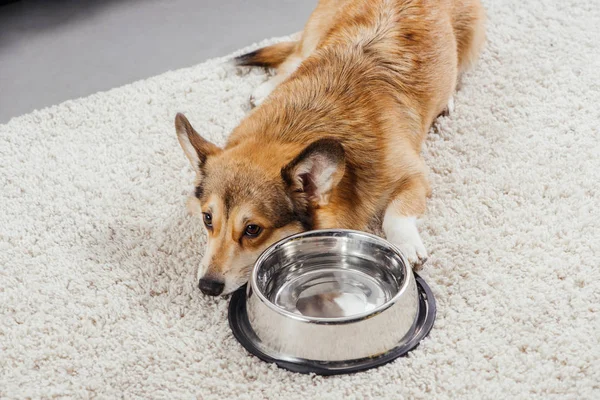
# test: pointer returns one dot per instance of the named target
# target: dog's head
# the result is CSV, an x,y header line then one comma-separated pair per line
x,y
253,194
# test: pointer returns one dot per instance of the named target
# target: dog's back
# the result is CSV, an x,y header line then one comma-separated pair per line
x,y
421,42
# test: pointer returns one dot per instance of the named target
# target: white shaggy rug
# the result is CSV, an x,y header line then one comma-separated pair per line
x,y
98,258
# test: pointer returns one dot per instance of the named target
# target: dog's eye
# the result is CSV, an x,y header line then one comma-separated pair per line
x,y
252,230
207,219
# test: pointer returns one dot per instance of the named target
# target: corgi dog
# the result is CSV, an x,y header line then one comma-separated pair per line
x,y
334,139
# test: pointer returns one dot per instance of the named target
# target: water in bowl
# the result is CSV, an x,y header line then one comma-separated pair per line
x,y
332,293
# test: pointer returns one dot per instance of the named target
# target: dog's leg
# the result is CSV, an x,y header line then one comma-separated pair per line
x,y
319,23
283,72
400,219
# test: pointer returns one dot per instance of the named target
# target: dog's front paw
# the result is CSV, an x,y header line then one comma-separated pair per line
x,y
415,253
403,233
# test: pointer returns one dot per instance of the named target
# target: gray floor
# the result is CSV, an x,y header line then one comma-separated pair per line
x,y
55,50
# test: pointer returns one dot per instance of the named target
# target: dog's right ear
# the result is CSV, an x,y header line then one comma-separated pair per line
x,y
195,147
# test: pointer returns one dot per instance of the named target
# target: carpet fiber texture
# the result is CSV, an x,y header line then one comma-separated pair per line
x,y
98,257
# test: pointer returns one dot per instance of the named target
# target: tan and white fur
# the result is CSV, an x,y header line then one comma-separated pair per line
x,y
335,138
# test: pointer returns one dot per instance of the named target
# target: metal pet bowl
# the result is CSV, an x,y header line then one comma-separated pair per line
x,y
331,302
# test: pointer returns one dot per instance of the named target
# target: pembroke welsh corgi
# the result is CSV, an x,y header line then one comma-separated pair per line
x,y
334,139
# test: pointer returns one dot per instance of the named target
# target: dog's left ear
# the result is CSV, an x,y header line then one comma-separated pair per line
x,y
196,148
318,169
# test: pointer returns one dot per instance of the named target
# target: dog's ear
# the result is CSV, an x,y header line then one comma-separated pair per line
x,y
312,175
196,148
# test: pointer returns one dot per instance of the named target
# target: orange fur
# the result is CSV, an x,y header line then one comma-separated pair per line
x,y
368,75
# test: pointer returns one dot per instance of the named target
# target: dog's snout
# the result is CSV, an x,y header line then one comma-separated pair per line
x,y
211,287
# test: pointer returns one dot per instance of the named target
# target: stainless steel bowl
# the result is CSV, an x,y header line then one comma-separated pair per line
x,y
334,298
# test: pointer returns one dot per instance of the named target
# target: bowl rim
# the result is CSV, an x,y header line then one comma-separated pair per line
x,y
253,284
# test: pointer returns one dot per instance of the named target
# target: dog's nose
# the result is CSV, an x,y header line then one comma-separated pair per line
x,y
210,287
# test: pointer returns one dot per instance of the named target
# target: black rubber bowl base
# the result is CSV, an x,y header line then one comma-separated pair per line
x,y
240,326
